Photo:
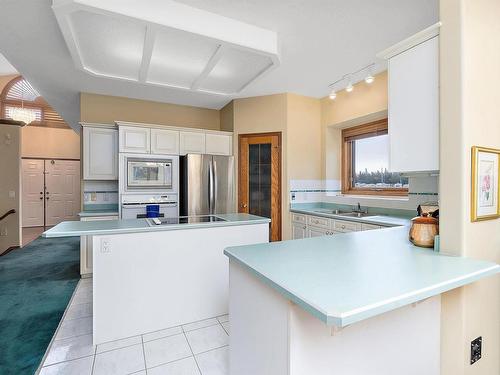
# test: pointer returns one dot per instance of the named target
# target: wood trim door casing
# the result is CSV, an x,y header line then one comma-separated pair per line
x,y
244,140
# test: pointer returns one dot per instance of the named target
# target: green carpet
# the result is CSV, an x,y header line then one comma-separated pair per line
x,y
36,284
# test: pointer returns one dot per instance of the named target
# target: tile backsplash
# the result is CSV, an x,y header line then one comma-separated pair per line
x,y
422,188
100,192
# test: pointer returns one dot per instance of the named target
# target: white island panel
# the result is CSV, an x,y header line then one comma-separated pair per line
x,y
148,281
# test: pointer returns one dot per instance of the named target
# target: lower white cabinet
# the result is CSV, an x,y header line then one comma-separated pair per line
x,y
299,230
317,232
86,246
306,226
369,226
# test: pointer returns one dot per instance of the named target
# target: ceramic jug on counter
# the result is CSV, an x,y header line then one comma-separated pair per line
x,y
423,230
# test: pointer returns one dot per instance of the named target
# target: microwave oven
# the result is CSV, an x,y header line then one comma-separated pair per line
x,y
149,173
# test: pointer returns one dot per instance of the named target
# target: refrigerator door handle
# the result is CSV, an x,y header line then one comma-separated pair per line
x,y
211,192
215,177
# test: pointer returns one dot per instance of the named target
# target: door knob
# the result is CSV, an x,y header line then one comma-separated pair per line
x,y
243,205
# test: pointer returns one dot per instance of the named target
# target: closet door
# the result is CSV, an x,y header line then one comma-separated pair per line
x,y
32,193
62,195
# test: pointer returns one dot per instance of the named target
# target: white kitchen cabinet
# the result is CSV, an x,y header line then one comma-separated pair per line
x,y
414,108
164,142
317,232
218,144
135,139
369,226
86,246
192,143
299,231
346,226
100,153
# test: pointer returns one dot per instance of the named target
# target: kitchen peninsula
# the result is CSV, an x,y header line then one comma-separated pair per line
x,y
353,303
148,277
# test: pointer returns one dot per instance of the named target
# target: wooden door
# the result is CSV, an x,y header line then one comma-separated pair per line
x,y
62,194
259,182
32,193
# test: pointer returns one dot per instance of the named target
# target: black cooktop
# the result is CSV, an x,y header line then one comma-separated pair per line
x,y
189,219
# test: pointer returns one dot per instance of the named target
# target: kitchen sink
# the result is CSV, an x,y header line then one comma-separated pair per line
x,y
344,213
355,214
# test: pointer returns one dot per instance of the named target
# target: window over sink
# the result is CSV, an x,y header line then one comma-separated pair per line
x,y
365,162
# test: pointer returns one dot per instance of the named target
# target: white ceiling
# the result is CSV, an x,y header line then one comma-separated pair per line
x,y
5,67
319,40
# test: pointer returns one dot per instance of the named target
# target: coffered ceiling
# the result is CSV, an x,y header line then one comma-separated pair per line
x,y
210,52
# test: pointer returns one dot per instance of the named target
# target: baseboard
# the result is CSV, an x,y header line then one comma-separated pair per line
x,y
9,250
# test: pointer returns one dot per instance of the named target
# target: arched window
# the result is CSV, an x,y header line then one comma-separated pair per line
x,y
18,93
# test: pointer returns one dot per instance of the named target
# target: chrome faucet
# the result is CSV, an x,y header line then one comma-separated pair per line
x,y
359,210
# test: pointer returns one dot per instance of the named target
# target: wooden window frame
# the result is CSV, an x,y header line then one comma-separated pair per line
x,y
368,130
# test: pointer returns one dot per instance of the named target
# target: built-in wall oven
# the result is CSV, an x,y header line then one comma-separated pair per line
x,y
145,174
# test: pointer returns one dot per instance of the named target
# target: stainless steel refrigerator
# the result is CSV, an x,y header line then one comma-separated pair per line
x,y
206,185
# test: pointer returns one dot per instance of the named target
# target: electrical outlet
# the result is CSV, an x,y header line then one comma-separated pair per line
x,y
105,245
475,350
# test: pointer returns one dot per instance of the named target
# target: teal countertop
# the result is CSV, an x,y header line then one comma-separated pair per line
x,y
89,228
350,277
95,210
391,218
96,213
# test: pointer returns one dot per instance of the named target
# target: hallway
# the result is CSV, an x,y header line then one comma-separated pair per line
x,y
36,284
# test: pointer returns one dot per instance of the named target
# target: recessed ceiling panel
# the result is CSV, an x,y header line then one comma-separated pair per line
x,y
179,58
107,45
235,69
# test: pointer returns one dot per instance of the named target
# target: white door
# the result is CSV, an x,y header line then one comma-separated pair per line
x,y
62,194
164,142
32,193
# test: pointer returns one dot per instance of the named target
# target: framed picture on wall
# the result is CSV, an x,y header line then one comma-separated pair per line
x,y
485,183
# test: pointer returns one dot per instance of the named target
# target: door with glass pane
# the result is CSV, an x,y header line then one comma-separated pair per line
x,y
259,183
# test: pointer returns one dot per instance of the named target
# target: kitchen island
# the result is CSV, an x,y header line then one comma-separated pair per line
x,y
148,277
355,303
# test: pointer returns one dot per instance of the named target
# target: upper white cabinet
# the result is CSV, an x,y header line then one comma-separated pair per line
x,y
170,140
135,139
414,102
218,144
192,143
100,153
164,142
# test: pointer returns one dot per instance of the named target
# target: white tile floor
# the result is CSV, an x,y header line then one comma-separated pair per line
x,y
198,348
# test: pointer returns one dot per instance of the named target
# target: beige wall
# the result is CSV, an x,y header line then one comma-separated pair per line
x,y
470,77
365,103
227,117
264,114
107,109
304,138
298,118
40,142
10,166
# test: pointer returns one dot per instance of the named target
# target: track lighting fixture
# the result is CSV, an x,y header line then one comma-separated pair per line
x,y
351,79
